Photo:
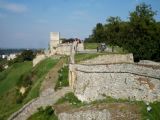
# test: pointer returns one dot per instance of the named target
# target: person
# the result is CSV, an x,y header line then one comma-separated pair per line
x,y
97,49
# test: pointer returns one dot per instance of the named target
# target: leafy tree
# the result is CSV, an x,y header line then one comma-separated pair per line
x,y
140,35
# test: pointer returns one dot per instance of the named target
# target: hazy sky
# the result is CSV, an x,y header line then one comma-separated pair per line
x,y
27,23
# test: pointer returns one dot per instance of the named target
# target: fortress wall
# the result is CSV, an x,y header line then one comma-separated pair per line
x,y
110,58
125,81
63,49
38,58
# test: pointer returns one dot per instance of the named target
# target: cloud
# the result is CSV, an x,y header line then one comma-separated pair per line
x,y
13,7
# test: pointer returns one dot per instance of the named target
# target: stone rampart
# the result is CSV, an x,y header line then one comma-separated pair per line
x,y
110,58
38,58
63,49
125,81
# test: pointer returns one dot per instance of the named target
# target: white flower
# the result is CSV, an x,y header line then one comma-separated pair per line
x,y
149,108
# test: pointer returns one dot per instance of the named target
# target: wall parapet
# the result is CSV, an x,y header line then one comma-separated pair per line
x,y
120,68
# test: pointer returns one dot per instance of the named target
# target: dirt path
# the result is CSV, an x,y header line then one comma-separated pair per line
x,y
51,79
47,95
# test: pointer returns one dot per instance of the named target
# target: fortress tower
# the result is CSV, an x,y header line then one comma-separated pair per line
x,y
54,41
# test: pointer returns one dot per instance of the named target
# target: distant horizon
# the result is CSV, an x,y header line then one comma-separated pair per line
x,y
27,24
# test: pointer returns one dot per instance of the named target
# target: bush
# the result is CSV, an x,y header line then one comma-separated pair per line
x,y
26,55
71,98
25,80
49,110
44,114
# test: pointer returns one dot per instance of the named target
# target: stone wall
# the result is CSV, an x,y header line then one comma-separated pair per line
x,y
126,81
38,58
148,62
65,49
110,111
86,115
110,58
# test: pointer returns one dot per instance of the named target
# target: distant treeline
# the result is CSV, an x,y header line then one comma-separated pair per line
x,y
7,51
140,35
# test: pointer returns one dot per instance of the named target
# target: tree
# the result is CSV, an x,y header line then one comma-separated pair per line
x,y
142,29
27,55
98,33
140,35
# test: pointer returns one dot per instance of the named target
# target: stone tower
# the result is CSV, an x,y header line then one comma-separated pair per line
x,y
54,41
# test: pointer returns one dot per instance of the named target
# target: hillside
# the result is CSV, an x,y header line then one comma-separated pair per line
x,y
10,80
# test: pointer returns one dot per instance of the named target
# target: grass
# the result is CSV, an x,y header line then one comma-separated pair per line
x,y
71,98
85,56
154,114
10,77
63,78
40,72
8,85
90,45
44,114
116,49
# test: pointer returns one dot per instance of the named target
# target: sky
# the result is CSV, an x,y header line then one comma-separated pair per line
x,y
28,23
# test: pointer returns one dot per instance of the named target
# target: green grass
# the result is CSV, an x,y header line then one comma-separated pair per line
x,y
10,77
9,88
154,114
44,114
84,56
40,72
63,78
90,45
71,98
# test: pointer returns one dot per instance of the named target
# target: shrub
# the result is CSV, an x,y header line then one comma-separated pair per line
x,y
71,98
63,78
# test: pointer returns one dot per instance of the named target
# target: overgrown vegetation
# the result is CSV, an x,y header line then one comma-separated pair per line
x,y
37,75
26,55
71,98
63,78
154,114
17,75
44,114
140,35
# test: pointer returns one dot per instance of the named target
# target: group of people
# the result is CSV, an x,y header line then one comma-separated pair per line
x,y
101,47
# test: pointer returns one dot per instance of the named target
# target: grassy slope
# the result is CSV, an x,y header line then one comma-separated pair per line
x,y
40,71
8,82
9,78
